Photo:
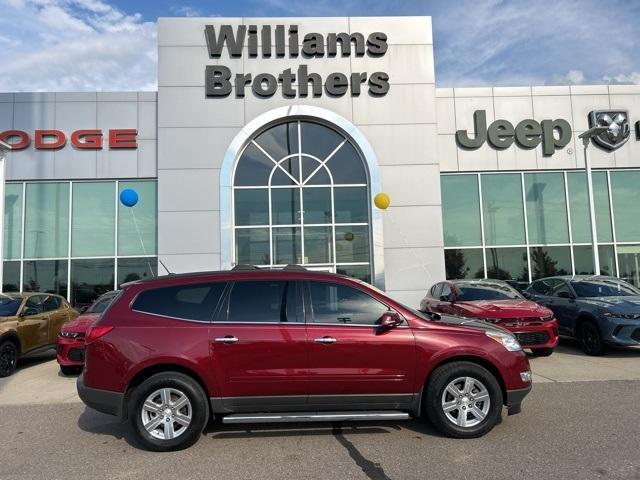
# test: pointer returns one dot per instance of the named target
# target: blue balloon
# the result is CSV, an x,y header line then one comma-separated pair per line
x,y
129,197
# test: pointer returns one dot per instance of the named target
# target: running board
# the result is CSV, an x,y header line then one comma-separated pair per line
x,y
314,417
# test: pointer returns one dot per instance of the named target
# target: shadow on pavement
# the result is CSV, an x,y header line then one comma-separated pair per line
x,y
569,346
101,424
37,359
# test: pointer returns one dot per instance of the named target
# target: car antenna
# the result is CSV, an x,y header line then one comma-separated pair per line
x,y
165,267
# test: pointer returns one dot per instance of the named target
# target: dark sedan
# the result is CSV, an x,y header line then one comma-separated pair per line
x,y
596,310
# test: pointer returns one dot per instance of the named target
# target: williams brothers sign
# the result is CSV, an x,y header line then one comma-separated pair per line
x,y
282,41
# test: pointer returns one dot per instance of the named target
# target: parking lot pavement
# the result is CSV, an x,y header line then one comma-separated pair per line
x,y
578,422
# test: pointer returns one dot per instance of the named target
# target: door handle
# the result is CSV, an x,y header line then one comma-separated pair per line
x,y
226,339
325,340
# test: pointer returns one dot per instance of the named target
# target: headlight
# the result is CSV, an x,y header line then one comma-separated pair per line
x,y
547,318
628,316
507,341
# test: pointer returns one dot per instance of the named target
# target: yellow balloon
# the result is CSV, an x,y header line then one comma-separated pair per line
x,y
382,201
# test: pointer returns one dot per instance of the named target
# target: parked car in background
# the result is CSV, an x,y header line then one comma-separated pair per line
x,y
29,323
496,302
70,341
596,310
254,346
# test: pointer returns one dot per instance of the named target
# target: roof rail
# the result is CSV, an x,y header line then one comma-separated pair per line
x,y
241,267
294,267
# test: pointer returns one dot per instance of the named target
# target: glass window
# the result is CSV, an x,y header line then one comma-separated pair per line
x,y
351,205
47,220
327,183
287,246
50,303
579,205
333,303
9,306
507,264
603,288
464,263
252,246
251,207
137,232
11,277
285,206
461,211
48,276
545,287
361,272
90,279
546,208
317,205
318,245
253,167
583,259
12,220
445,293
550,261
93,219
629,263
352,244
562,291
502,209
470,292
102,303
132,269
35,304
266,301
625,192
190,302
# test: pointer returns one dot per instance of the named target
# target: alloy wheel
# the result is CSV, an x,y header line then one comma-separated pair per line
x,y
465,402
8,359
166,413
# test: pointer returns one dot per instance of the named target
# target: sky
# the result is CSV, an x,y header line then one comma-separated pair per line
x,y
110,45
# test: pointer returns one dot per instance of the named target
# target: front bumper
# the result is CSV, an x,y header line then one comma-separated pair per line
x,y
70,352
536,336
104,401
621,332
514,399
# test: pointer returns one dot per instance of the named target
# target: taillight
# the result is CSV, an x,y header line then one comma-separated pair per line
x,y
97,331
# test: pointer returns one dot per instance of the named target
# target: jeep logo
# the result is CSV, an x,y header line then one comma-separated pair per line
x,y
553,134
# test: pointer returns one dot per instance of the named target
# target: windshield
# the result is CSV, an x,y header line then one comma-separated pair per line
x,y
9,306
603,288
469,292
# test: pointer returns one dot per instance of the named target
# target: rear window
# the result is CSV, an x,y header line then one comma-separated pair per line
x,y
190,302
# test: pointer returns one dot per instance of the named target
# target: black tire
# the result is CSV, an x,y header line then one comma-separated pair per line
x,y
541,352
70,370
435,389
8,358
199,411
590,339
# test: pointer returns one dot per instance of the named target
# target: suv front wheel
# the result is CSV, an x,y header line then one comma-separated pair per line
x,y
168,411
463,400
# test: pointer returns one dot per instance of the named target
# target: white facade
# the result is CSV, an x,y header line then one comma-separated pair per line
x,y
190,142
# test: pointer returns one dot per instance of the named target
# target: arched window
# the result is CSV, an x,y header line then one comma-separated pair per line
x,y
301,196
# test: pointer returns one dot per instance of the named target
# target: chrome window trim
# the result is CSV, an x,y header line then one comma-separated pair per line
x,y
331,120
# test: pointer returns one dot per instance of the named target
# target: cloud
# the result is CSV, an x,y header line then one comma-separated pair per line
x,y
185,11
75,45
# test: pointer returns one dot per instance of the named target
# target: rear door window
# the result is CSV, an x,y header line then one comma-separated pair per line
x,y
50,303
34,304
341,304
261,301
189,302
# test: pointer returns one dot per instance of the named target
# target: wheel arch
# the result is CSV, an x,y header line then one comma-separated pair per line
x,y
151,370
583,317
13,337
483,362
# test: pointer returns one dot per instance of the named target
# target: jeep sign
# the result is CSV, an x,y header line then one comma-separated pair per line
x,y
553,134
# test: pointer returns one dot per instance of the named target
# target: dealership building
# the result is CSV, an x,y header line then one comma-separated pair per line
x,y
268,140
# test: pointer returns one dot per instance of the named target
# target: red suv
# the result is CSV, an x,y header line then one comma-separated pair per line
x,y
251,346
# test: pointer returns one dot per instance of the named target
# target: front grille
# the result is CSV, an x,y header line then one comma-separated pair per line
x,y
532,338
76,354
521,321
636,335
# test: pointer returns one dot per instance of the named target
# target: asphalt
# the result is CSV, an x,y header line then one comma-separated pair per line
x,y
579,422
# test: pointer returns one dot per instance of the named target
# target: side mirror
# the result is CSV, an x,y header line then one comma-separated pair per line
x,y
390,320
27,312
564,294
526,294
84,308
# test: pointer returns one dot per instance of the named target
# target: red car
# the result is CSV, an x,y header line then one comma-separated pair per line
x,y
251,346
496,302
70,341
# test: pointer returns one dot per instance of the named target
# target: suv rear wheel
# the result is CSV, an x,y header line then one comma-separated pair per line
x,y
463,400
168,411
